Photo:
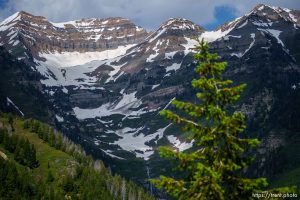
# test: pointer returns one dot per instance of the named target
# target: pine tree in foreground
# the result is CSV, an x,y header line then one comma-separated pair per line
x,y
214,169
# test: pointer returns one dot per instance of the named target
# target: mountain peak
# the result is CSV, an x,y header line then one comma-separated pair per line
x,y
274,13
265,7
180,23
24,13
176,27
19,16
263,12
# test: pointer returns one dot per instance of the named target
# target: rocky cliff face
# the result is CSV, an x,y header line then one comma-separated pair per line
x,y
20,90
109,100
23,30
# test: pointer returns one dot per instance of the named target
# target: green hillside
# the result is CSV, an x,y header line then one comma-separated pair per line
x,y
39,163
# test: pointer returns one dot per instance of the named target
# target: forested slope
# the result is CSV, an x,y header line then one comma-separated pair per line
x,y
39,163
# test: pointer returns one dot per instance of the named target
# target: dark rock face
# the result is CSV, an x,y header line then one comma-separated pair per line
x,y
111,106
20,90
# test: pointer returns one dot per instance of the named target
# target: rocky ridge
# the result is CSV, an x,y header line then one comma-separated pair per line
x,y
23,30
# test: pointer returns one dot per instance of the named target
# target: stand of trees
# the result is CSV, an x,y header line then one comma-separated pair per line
x,y
13,184
24,152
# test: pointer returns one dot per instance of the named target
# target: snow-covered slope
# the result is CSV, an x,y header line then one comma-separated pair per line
x,y
73,68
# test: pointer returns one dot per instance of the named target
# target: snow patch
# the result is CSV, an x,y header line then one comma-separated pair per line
x,y
63,24
115,71
111,155
170,55
261,8
105,122
127,99
181,146
16,42
169,103
10,33
133,140
262,24
154,86
210,36
191,43
274,33
69,59
152,56
59,118
11,18
156,36
167,74
244,24
234,36
74,68
10,102
76,75
252,35
174,66
65,90
239,55
124,107
122,91
156,49
293,17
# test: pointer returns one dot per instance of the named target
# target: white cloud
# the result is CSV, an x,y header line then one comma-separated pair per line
x,y
149,14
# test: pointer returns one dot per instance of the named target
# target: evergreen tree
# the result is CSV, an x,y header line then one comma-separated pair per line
x,y
32,157
52,139
2,133
45,136
51,193
11,121
50,177
27,152
214,169
58,142
10,142
19,155
26,124
36,127
68,184
11,179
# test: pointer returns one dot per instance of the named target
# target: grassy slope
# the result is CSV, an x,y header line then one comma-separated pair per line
x,y
59,162
90,183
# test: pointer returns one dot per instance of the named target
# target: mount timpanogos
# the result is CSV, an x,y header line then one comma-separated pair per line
x,y
103,82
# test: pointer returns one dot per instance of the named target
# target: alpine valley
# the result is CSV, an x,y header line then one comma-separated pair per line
x,y
103,82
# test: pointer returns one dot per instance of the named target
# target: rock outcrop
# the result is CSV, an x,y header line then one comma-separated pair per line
x,y
36,33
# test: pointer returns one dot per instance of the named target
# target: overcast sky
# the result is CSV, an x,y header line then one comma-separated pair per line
x,y
146,13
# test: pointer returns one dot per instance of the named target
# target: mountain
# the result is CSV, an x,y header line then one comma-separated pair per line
x,y
108,98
